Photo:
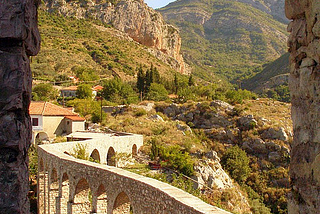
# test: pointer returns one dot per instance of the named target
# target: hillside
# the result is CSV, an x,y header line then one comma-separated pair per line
x,y
231,39
68,43
270,76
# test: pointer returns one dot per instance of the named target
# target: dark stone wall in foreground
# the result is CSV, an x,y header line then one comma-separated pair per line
x,y
19,39
304,48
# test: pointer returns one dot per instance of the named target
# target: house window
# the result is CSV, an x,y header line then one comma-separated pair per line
x,y
68,122
35,122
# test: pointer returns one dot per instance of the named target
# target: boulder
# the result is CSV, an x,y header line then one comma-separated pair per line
x,y
157,117
247,122
275,134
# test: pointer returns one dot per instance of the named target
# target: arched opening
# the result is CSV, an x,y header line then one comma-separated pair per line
x,y
53,192
83,198
95,155
122,204
64,193
111,160
101,200
41,187
40,137
134,150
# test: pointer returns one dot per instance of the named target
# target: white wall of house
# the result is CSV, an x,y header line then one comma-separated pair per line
x,y
39,125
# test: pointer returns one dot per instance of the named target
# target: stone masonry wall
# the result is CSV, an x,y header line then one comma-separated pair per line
x,y
304,48
19,39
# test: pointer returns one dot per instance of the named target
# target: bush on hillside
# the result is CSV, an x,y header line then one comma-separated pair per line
x,y
236,162
44,92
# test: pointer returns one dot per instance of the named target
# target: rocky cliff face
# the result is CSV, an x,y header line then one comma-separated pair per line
x,y
304,82
19,38
139,21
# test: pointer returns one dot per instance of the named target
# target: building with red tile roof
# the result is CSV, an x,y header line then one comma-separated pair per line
x,y
50,120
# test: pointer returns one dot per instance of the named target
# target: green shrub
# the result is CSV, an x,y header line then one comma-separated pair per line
x,y
80,152
157,92
44,92
175,159
33,160
140,112
236,162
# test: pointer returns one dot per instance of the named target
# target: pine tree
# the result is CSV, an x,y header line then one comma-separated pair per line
x,y
156,75
140,81
191,81
175,83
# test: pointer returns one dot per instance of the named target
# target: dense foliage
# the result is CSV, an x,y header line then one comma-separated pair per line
x,y
44,92
236,162
117,91
172,157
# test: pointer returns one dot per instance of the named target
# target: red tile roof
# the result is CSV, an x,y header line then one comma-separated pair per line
x,y
49,109
75,118
97,88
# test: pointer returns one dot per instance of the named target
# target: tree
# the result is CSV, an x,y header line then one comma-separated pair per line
x,y
119,92
236,162
157,92
44,92
84,91
191,81
176,83
140,81
85,74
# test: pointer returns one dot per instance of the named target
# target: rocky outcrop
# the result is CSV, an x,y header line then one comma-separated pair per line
x,y
211,176
133,17
304,84
19,38
210,173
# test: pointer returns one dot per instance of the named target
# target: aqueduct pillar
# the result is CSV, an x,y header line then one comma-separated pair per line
x,y
19,39
304,48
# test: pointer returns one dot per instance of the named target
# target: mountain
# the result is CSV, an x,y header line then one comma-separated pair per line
x,y
272,75
143,24
228,38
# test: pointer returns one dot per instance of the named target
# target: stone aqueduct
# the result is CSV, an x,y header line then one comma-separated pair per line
x,y
70,185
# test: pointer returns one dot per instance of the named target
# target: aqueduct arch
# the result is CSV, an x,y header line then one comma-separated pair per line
x,y
111,161
82,198
85,187
95,155
122,204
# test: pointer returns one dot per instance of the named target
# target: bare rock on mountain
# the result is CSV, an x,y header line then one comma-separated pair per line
x,y
134,17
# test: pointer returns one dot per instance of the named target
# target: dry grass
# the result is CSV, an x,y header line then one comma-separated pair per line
x,y
165,132
278,114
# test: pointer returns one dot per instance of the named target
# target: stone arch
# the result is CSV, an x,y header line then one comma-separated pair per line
x,y
82,198
122,204
53,191
111,161
101,199
65,191
95,155
134,150
40,137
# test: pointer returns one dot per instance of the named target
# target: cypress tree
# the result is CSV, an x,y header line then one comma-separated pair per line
x,y
140,81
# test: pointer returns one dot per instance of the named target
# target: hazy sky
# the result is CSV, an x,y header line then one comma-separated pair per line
x,y
157,3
